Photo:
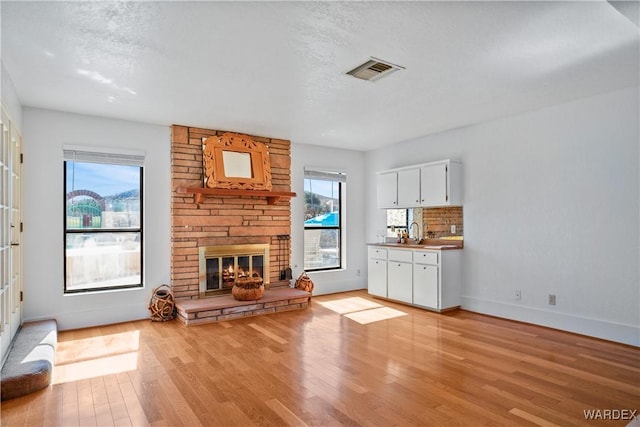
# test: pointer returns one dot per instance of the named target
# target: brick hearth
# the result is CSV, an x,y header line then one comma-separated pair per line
x,y
218,309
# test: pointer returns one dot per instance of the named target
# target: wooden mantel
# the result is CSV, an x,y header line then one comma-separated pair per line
x,y
200,193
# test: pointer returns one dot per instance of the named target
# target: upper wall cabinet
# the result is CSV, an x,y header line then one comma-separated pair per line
x,y
441,184
408,188
388,190
424,185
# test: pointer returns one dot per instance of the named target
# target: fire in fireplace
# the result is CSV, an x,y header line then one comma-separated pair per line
x,y
221,266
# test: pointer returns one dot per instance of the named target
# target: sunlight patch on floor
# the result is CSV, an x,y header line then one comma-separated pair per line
x,y
95,368
96,356
361,310
374,315
349,305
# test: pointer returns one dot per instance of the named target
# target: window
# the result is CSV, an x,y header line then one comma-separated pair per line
x,y
398,220
102,221
323,193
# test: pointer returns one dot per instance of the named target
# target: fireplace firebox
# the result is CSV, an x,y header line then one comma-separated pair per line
x,y
221,266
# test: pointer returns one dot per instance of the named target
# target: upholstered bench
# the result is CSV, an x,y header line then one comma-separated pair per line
x,y
29,366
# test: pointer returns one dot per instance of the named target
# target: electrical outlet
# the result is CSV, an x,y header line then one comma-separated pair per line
x,y
552,299
518,295
453,229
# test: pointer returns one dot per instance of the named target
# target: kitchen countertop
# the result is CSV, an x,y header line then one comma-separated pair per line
x,y
433,244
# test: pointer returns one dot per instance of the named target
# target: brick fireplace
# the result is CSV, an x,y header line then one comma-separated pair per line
x,y
223,220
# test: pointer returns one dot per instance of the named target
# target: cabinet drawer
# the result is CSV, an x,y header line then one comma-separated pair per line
x,y
400,255
426,257
377,253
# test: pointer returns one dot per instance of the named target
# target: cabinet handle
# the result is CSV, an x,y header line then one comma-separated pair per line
x,y
399,265
446,181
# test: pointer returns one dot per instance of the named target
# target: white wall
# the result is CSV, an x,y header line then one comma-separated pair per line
x,y
9,98
45,132
352,276
551,206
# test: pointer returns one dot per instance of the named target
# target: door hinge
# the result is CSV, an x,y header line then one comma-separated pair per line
x,y
21,227
21,296
21,158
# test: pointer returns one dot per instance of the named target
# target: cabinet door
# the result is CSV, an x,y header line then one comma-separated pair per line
x,y
409,188
388,190
377,272
433,185
400,281
425,285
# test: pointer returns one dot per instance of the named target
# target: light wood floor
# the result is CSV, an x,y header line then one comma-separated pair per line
x,y
328,366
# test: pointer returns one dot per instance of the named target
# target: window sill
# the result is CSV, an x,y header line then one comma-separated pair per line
x,y
334,270
102,291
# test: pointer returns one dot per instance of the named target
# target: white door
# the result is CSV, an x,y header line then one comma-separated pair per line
x,y
10,232
433,185
388,190
409,188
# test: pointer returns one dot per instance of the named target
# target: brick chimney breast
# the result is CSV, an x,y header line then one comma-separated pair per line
x,y
219,220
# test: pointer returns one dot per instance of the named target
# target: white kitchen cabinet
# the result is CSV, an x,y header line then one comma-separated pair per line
x,y
424,185
409,188
427,278
377,271
388,190
425,281
400,275
437,279
441,184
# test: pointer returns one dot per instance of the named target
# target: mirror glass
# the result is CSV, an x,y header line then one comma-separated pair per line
x,y
236,165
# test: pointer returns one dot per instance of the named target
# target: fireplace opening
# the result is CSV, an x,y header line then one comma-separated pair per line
x,y
221,266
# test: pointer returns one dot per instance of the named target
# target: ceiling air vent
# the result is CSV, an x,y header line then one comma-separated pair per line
x,y
374,69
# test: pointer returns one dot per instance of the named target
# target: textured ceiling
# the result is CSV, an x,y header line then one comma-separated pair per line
x,y
278,68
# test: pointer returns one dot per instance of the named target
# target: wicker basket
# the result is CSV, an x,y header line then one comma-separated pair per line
x,y
248,288
304,283
161,304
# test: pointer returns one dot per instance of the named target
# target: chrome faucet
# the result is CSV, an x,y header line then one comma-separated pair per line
x,y
416,236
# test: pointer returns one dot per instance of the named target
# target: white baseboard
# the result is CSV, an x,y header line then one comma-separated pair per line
x,y
598,328
96,317
332,287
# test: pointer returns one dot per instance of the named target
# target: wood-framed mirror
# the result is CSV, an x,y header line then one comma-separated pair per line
x,y
236,161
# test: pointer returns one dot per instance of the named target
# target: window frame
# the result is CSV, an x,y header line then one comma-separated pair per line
x,y
340,179
67,231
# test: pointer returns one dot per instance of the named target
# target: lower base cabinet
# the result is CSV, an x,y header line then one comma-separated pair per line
x,y
377,277
399,282
425,285
429,279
